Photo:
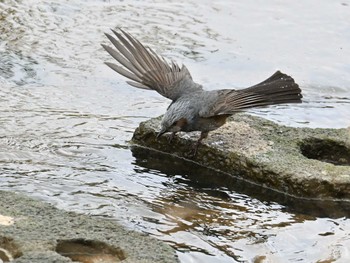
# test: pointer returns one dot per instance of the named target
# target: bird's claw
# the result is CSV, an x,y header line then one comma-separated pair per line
x,y
193,151
171,137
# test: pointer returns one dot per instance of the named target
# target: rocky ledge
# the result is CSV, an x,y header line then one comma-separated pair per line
x,y
300,162
36,232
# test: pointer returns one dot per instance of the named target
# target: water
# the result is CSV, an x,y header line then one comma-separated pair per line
x,y
66,118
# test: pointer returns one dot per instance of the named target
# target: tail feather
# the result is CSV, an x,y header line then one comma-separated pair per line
x,y
277,89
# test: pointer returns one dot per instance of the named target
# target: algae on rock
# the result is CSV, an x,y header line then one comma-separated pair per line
x,y
301,162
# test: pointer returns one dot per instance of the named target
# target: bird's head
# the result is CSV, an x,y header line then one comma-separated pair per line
x,y
175,119
171,126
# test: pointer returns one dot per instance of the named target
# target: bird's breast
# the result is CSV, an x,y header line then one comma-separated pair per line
x,y
210,123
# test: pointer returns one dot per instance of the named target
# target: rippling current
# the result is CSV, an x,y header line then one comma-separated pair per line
x,y
66,119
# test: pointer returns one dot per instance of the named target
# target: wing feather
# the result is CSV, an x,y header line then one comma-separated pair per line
x,y
146,69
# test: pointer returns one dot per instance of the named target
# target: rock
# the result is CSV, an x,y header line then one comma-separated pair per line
x,y
300,162
33,231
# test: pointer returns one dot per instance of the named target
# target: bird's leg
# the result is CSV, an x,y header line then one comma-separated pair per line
x,y
195,146
171,137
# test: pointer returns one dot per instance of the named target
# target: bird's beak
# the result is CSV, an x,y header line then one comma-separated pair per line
x,y
160,133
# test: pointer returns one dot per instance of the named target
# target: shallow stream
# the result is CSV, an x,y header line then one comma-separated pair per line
x,y
66,119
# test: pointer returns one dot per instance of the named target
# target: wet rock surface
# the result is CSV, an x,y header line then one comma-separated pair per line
x,y
300,162
37,232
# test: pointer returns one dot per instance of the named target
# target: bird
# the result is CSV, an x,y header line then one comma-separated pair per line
x,y
192,108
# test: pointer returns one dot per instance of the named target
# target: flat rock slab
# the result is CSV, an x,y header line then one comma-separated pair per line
x,y
300,162
36,232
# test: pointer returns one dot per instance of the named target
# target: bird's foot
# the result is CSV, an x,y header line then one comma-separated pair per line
x,y
194,147
193,151
171,137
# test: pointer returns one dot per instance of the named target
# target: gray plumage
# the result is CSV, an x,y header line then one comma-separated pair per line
x,y
192,108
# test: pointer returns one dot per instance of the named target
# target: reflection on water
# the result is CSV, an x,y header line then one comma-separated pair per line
x,y
212,182
66,119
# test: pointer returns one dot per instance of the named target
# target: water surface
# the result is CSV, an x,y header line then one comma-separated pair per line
x,y
66,119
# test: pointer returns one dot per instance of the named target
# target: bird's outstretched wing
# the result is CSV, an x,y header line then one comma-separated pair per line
x,y
277,89
146,69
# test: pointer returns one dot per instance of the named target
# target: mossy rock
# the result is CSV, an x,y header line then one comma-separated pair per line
x,y
301,162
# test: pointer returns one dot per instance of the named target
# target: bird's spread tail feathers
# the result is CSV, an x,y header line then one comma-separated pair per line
x,y
277,89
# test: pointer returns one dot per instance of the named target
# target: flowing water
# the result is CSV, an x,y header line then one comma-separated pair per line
x,y
66,118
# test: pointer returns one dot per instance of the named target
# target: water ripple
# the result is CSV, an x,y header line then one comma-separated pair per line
x,y
66,119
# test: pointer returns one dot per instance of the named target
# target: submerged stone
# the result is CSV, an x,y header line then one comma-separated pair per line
x,y
301,162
